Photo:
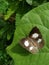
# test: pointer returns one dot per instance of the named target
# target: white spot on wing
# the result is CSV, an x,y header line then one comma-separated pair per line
x,y
35,35
31,48
39,40
26,43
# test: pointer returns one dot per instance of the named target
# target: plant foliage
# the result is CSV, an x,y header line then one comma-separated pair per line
x,y
17,18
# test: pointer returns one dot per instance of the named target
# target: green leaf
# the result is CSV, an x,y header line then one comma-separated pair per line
x,y
23,8
2,34
35,2
5,58
12,8
6,32
36,17
29,1
3,6
10,30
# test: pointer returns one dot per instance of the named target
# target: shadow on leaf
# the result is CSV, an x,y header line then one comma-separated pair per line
x,y
19,50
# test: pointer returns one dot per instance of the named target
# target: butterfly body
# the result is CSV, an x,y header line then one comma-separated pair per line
x,y
33,42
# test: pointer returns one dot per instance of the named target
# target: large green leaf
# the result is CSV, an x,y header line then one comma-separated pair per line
x,y
37,17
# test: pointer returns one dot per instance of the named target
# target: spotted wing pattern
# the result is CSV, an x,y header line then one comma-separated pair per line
x,y
33,42
35,34
29,45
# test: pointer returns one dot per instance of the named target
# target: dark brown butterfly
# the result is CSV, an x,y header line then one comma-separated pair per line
x,y
33,42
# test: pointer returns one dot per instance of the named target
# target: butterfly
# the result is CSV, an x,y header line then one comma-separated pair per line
x,y
33,42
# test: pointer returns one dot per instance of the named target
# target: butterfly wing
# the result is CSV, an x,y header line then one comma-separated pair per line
x,y
28,44
35,34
